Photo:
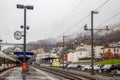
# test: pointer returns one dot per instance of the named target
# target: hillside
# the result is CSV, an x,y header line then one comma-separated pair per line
x,y
101,37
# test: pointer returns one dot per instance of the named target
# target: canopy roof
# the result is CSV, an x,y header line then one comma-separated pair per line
x,y
4,55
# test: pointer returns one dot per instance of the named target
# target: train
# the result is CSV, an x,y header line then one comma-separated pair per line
x,y
7,61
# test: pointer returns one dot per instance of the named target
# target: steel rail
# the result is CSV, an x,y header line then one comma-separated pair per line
x,y
63,73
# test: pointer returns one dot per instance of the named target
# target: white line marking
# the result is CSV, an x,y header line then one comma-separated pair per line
x,y
5,72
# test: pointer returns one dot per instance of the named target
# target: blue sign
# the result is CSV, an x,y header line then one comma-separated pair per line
x,y
22,53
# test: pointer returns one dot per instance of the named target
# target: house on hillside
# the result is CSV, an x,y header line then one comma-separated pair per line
x,y
73,56
70,57
111,51
98,52
81,52
84,51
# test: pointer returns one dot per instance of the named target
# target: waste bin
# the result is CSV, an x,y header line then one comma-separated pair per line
x,y
116,76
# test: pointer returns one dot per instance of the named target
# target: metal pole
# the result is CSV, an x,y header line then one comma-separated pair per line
x,y
4,56
0,47
24,34
0,44
92,38
92,70
4,62
63,52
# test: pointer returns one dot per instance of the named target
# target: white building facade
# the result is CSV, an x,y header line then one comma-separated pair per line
x,y
84,52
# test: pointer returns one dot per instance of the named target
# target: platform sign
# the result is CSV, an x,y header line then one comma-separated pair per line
x,y
22,53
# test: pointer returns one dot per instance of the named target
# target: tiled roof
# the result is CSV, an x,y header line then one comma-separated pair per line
x,y
42,52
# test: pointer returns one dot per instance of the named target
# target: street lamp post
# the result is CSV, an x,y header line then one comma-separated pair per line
x,y
19,6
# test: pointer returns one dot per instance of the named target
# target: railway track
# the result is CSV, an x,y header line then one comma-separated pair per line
x,y
66,74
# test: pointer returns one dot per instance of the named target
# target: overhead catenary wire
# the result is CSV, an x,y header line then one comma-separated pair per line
x,y
69,35
99,7
80,2
76,31
86,16
112,17
104,3
76,24
116,22
69,14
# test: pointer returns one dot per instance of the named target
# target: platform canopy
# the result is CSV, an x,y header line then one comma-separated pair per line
x,y
7,56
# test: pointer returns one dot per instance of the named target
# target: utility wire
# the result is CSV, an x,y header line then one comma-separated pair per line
x,y
68,35
77,23
102,4
86,16
72,10
80,2
109,19
75,31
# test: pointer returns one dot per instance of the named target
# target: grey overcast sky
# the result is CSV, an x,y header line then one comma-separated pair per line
x,y
51,18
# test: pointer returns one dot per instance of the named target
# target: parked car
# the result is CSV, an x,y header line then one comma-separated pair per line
x,y
107,68
116,69
96,67
81,66
86,67
63,65
73,66
117,66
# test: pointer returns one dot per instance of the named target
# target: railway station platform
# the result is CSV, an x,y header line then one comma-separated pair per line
x,y
31,74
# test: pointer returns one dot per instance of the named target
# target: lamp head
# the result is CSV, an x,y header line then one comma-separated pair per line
x,y
85,27
29,7
20,6
107,28
21,26
95,12
27,27
1,40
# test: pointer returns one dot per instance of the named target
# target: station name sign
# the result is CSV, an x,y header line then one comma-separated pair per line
x,y
22,53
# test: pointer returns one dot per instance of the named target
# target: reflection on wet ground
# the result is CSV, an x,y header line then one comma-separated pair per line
x,y
16,74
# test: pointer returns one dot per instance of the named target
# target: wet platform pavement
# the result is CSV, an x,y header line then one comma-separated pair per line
x,y
32,74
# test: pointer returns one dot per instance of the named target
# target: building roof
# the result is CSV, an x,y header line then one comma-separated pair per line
x,y
42,52
111,46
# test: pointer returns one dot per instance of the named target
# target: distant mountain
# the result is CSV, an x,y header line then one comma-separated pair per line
x,y
70,36
50,42
112,29
46,44
100,37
